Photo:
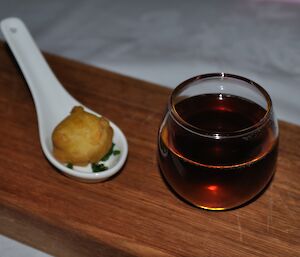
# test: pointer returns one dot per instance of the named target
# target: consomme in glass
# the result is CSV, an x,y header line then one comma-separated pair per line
x,y
217,151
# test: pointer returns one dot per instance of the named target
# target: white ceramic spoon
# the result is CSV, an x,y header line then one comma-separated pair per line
x,y
52,101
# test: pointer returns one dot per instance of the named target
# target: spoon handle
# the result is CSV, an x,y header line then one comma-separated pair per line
x,y
45,88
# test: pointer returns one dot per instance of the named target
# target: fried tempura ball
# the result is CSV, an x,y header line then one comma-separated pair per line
x,y
81,138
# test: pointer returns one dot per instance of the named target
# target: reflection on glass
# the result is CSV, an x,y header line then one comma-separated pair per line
x,y
218,141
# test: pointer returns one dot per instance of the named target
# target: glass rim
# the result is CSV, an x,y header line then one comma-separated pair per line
x,y
215,134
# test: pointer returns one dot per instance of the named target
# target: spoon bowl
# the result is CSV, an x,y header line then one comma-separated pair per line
x,y
53,103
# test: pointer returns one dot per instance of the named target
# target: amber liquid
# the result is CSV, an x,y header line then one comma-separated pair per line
x,y
211,172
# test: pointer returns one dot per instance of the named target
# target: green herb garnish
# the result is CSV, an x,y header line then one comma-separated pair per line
x,y
108,154
116,152
98,167
70,165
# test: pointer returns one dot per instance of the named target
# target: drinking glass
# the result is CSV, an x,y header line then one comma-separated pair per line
x,y
218,141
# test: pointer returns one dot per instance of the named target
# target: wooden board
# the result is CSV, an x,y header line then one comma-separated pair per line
x,y
133,214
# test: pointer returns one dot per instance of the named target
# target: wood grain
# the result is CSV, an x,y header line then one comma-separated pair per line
x,y
133,214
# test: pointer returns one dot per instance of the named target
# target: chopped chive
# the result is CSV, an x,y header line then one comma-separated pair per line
x,y
108,154
70,165
98,167
116,152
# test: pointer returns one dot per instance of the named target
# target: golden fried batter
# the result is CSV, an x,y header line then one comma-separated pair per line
x,y
81,138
